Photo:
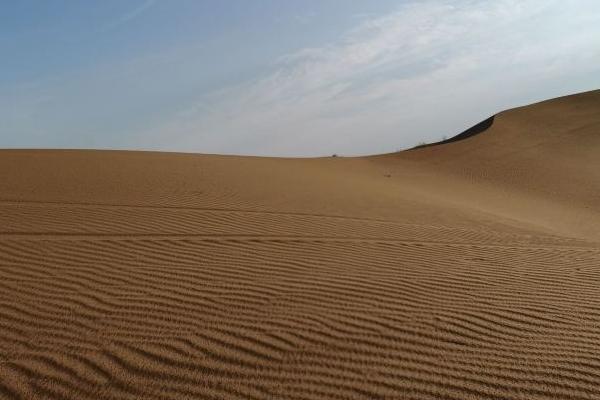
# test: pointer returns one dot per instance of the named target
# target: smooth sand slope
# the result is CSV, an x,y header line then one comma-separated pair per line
x,y
467,270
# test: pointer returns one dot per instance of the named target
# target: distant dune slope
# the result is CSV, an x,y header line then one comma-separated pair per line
x,y
464,270
532,162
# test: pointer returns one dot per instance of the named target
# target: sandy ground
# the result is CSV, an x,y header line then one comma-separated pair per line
x,y
468,270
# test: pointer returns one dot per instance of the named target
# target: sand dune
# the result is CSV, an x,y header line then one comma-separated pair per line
x,y
463,270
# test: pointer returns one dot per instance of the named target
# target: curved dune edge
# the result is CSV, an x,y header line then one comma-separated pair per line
x,y
462,271
472,131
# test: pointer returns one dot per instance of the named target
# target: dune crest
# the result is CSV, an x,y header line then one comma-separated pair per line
x,y
462,270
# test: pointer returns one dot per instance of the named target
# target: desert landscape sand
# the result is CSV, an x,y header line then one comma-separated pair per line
x,y
463,270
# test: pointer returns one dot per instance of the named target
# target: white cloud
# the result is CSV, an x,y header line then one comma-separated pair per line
x,y
427,70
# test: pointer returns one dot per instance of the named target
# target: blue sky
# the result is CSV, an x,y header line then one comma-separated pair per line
x,y
285,78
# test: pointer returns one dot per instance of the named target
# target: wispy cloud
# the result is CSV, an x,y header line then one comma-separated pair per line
x,y
129,15
427,70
